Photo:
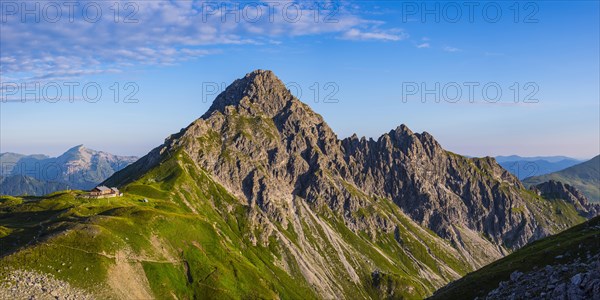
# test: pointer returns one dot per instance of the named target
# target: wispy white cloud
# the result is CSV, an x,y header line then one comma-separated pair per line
x,y
423,45
356,34
169,32
451,49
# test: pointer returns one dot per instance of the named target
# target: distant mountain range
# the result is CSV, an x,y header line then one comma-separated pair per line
x,y
584,176
524,167
552,159
77,168
25,185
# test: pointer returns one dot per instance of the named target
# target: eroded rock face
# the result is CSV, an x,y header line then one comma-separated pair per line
x,y
439,189
266,147
558,190
271,146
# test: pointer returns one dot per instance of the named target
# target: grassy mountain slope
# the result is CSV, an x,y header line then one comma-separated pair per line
x,y
192,238
574,246
194,241
585,177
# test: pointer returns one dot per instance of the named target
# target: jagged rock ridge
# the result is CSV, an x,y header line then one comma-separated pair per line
x,y
558,190
286,166
266,146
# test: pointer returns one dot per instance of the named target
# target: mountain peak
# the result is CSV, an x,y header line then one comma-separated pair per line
x,y
259,92
78,148
261,72
76,153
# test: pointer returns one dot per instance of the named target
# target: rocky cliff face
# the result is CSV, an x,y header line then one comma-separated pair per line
x,y
558,190
266,146
280,159
443,191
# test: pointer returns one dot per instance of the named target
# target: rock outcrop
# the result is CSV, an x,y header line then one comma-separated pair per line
x,y
20,284
562,266
578,280
558,190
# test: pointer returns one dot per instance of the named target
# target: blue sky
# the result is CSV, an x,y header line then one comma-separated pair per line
x,y
368,53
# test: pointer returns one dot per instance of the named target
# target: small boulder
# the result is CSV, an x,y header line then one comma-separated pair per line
x,y
577,279
516,275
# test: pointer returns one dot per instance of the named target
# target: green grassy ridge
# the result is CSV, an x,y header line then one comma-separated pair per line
x,y
127,221
585,177
568,245
254,263
210,244
553,214
207,231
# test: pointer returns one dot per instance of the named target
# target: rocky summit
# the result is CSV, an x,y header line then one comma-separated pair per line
x,y
267,147
259,198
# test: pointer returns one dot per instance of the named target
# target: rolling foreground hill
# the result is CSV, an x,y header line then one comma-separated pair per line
x,y
584,177
258,198
564,266
77,168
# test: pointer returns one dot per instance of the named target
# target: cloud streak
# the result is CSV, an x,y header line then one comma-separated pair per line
x,y
356,34
451,49
129,34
